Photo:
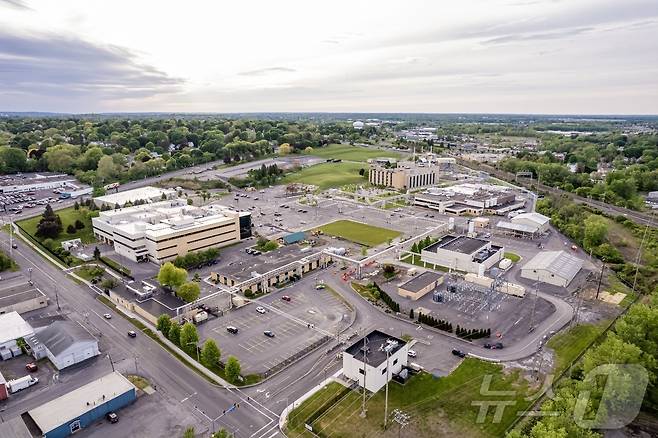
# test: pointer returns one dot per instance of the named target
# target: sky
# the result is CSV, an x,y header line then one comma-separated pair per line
x,y
442,56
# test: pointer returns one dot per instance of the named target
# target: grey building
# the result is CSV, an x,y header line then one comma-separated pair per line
x,y
65,343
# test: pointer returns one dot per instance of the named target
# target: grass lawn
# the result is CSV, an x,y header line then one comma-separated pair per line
x,y
352,153
568,345
68,216
328,175
513,257
438,406
298,416
357,232
415,260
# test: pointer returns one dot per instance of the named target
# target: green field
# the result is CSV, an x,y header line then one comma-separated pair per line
x,y
357,232
68,217
328,175
440,407
568,345
352,153
513,257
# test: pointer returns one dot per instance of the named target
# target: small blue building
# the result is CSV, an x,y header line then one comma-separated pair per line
x,y
291,238
80,408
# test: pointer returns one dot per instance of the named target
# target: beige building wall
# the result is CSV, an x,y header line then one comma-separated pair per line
x,y
421,293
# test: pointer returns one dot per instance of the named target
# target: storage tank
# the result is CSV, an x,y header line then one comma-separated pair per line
x,y
505,263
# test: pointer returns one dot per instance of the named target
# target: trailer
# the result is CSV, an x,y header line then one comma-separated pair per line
x,y
21,383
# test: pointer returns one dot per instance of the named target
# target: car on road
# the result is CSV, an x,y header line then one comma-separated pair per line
x,y
132,334
494,346
411,353
319,286
232,330
458,353
112,417
31,367
260,310
286,298
107,316
269,333
14,245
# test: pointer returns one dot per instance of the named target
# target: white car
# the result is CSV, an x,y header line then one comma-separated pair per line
x,y
411,353
260,309
107,316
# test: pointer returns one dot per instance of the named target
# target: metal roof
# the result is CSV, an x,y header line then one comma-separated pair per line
x,y
79,401
61,335
559,263
13,326
294,237
537,218
517,227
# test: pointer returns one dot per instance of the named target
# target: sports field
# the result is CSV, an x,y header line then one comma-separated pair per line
x,y
352,153
328,175
357,232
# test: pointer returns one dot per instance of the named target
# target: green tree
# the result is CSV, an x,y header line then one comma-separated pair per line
x,y
595,232
50,224
640,327
171,276
232,369
222,433
189,433
12,160
164,323
210,353
107,168
174,333
189,291
97,253
189,338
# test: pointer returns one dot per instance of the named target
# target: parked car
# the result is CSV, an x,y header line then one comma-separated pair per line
x,y
286,298
31,367
411,353
269,333
232,330
132,333
112,417
458,353
14,245
319,286
260,309
107,316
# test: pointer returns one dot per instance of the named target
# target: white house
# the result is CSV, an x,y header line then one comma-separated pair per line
x,y
373,360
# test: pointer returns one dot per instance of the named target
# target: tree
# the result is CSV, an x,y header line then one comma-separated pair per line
x,y
232,369
164,323
79,224
189,291
50,224
189,433
640,327
222,433
210,353
174,333
285,149
107,168
76,206
188,338
71,229
411,314
595,232
97,253
171,276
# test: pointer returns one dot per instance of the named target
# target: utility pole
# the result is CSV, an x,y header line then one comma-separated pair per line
x,y
598,288
638,259
57,299
11,236
111,363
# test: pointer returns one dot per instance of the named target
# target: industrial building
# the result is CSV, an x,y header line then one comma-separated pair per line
x,y
18,295
463,253
525,224
405,176
558,268
420,285
12,327
65,343
372,361
80,408
470,199
146,194
161,231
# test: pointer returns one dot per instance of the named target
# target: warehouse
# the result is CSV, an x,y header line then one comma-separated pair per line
x,y
146,194
537,221
463,253
65,343
18,295
374,360
553,267
80,408
420,285
12,327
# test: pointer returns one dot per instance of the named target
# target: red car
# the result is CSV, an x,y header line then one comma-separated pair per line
x,y
285,298
31,367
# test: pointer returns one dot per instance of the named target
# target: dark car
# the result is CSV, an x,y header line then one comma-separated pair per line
x,y
458,353
496,346
285,298
31,367
132,334
232,330
112,417
269,333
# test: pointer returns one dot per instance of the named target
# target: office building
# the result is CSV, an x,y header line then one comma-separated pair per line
x,y
463,253
406,176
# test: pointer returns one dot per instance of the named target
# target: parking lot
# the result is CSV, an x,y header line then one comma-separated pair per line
x,y
21,192
299,324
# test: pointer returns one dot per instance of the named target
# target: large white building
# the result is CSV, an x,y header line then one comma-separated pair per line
x,y
12,327
146,194
65,343
374,361
553,267
469,198
463,253
161,231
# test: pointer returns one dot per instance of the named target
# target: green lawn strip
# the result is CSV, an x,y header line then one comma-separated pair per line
x,y
352,153
513,257
432,402
87,272
328,175
68,216
298,416
415,260
569,344
357,232
138,381
249,379
364,291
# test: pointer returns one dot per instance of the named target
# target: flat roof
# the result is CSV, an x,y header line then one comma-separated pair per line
x,y
421,281
79,401
460,244
145,193
242,269
17,292
374,355
13,326
14,428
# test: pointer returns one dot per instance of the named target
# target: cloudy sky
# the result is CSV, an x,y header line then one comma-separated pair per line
x,y
497,56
